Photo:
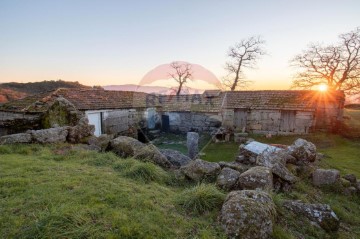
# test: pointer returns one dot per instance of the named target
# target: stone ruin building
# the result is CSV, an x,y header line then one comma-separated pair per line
x,y
125,113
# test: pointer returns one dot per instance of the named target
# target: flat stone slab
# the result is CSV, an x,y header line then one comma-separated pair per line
x,y
258,148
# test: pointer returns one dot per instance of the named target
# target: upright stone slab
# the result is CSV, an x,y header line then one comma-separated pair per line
x,y
192,144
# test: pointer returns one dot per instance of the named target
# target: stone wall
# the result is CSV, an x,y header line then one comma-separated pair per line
x,y
271,121
122,122
12,123
328,116
191,121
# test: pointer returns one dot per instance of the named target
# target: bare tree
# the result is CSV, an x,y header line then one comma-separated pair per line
x,y
337,66
182,73
242,55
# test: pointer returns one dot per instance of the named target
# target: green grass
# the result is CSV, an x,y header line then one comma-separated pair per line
x,y
50,192
340,153
215,152
201,198
178,141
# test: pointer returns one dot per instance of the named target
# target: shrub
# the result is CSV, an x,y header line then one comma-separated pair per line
x,y
201,198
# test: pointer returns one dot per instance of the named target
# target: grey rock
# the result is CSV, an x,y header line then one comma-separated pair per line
x,y
350,191
325,177
304,151
176,158
276,161
317,213
257,147
248,214
80,131
357,185
50,136
249,152
21,138
234,165
350,177
199,170
192,143
227,179
256,178
130,147
102,142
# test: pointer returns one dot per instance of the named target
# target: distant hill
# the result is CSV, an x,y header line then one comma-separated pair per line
x,y
147,89
9,95
13,90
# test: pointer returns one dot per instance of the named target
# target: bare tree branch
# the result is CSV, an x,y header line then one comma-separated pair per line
x,y
182,73
337,66
243,54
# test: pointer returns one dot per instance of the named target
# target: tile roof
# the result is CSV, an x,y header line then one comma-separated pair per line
x,y
83,99
279,99
98,99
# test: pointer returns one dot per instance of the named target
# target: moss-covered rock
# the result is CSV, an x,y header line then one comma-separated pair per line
x,y
248,214
200,170
320,214
130,147
61,113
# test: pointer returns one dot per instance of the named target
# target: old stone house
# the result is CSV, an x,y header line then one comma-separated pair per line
x,y
283,112
112,112
122,112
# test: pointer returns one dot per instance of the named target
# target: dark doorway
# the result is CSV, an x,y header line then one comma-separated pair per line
x,y
165,123
142,137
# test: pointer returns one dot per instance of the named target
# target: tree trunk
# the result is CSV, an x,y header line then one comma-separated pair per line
x,y
179,89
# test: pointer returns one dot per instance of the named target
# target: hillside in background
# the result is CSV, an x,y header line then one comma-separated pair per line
x,y
9,95
13,90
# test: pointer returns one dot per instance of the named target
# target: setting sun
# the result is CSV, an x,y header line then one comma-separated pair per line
x,y
323,88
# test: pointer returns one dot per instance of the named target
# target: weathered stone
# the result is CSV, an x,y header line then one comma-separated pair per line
x,y
281,186
317,213
276,161
345,183
249,152
199,170
256,178
102,142
325,177
240,138
176,158
357,185
304,151
49,136
61,113
80,131
227,179
350,177
192,144
248,214
350,191
234,165
21,138
130,147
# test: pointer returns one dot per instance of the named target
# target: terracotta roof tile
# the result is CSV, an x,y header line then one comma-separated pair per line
x,y
279,99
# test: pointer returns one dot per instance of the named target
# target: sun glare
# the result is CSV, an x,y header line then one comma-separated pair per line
x,y
323,88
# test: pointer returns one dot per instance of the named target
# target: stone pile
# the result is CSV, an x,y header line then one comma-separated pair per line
x,y
71,134
249,211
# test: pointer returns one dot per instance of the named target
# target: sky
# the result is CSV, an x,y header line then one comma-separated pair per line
x,y
118,42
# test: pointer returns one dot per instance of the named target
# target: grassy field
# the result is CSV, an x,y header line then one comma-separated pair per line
x,y
64,192
46,193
